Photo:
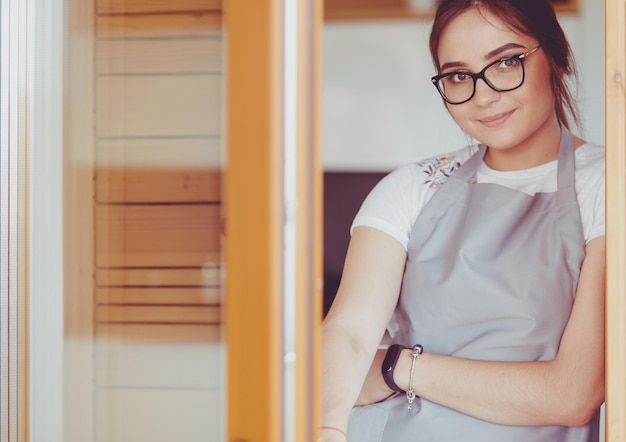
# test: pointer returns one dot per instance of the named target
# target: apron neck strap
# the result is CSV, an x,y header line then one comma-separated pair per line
x,y
565,166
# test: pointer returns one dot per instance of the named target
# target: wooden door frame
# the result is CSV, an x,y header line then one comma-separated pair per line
x,y
273,219
615,421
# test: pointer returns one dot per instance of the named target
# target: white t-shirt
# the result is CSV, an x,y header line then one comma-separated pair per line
x,y
396,201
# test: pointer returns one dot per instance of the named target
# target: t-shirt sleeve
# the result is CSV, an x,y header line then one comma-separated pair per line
x,y
396,201
391,206
591,193
597,220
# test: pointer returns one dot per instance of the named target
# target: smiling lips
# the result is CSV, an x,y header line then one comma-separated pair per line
x,y
496,120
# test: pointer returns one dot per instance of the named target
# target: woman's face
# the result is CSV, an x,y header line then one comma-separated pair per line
x,y
501,120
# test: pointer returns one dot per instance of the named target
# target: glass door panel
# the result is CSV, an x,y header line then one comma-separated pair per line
x,y
143,344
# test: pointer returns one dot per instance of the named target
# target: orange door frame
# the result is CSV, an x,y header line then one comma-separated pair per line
x,y
615,422
257,214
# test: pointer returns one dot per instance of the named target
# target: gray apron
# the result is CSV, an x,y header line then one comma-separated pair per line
x,y
491,274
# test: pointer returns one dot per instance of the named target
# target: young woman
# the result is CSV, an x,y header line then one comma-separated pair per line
x,y
485,265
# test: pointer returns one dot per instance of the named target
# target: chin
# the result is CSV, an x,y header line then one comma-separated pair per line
x,y
498,141
501,144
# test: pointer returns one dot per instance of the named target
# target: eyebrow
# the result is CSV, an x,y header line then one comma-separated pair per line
x,y
489,55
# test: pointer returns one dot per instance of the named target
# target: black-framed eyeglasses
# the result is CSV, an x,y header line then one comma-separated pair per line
x,y
503,75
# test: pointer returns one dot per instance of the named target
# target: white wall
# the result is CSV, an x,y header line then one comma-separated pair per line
x,y
380,109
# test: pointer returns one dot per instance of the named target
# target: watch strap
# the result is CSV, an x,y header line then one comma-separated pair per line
x,y
389,365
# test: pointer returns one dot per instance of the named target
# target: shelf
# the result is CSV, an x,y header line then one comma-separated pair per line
x,y
400,9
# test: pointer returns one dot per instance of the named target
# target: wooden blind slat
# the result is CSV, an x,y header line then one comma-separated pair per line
x,y
209,275
150,185
157,236
207,24
159,296
171,56
155,6
158,314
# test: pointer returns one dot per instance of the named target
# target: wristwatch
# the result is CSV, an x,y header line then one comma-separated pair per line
x,y
389,365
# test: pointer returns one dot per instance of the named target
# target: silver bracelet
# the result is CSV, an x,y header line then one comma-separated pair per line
x,y
410,393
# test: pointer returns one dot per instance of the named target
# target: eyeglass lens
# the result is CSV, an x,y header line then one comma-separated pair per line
x,y
503,75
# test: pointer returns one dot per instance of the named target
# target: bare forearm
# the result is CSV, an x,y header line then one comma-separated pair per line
x,y
509,393
344,367
356,322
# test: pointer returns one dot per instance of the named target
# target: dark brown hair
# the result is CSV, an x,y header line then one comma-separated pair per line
x,y
535,18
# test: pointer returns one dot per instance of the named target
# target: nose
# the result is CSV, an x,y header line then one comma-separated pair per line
x,y
484,95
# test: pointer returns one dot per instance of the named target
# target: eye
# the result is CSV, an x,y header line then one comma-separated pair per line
x,y
508,63
459,77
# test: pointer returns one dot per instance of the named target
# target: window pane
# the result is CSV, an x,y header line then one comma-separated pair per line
x,y
142,352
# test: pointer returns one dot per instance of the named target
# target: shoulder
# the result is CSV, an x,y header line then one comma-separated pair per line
x,y
432,172
396,201
590,163
591,154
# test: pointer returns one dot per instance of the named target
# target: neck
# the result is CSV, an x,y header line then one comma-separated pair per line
x,y
539,148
